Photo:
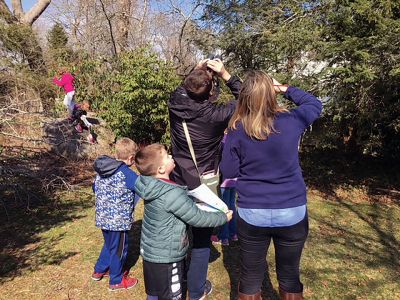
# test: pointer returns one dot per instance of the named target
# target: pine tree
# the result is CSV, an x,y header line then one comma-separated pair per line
x,y
57,37
355,42
58,45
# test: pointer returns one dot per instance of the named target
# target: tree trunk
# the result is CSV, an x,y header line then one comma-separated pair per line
x,y
123,24
35,12
5,13
27,44
17,9
114,46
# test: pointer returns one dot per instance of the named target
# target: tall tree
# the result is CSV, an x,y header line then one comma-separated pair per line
x,y
362,43
16,33
59,51
123,24
57,37
345,50
273,35
30,16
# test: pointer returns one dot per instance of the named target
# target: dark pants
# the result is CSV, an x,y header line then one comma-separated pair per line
x,y
197,273
163,281
228,230
113,254
254,242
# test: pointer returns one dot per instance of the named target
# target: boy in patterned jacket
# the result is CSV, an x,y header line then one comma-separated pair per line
x,y
115,195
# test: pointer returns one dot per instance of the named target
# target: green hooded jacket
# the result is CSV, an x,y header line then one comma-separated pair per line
x,y
167,211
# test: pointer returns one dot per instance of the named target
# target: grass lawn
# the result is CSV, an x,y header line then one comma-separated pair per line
x,y
352,252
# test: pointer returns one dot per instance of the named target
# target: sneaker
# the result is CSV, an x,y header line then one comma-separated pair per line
x,y
207,289
126,283
215,239
91,139
225,242
234,238
79,128
98,276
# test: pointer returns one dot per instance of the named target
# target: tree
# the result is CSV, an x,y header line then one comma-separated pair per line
x,y
59,52
273,35
130,92
27,18
57,37
346,51
362,44
16,33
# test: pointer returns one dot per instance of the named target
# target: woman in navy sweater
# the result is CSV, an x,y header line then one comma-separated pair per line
x,y
261,150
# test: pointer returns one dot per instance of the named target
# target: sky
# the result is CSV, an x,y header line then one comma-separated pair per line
x,y
26,4
155,4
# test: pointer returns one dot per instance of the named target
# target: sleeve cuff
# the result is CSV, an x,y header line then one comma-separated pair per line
x,y
232,79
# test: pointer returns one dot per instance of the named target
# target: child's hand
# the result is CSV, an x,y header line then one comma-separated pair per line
x,y
229,215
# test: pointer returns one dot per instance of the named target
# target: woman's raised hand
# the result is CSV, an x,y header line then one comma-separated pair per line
x,y
278,87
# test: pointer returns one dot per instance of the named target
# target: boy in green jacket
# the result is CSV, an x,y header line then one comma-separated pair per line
x,y
167,211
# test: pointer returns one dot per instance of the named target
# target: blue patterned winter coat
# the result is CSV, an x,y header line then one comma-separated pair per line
x,y
114,188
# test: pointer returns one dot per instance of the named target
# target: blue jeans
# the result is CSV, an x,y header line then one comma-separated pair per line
x,y
200,255
113,254
228,230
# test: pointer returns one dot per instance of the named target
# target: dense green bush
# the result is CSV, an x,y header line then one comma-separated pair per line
x,y
130,93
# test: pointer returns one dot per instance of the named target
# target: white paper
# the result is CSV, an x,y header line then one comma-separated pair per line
x,y
205,195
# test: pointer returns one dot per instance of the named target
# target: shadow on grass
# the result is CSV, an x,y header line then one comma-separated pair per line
x,y
22,247
30,182
134,244
358,228
231,261
362,237
326,170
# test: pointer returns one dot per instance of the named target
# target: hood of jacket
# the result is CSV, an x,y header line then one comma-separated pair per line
x,y
186,108
106,166
150,188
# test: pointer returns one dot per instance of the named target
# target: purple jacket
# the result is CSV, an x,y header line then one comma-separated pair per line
x,y
268,171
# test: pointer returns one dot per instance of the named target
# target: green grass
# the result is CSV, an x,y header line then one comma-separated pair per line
x,y
352,252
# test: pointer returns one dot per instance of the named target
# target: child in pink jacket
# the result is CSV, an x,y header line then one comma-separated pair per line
x,y
67,83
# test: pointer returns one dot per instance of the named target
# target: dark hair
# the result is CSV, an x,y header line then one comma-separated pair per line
x,y
149,159
198,84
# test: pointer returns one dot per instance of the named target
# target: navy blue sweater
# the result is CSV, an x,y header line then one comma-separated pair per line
x,y
268,171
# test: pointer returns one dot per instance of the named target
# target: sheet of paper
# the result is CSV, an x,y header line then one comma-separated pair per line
x,y
206,207
204,194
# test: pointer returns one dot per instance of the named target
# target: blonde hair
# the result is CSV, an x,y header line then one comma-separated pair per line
x,y
257,106
149,159
124,148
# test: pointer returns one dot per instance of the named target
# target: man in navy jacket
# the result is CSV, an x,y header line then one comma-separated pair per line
x,y
206,123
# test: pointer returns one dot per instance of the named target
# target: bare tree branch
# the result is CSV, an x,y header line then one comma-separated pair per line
x,y
35,12
186,20
20,137
17,8
110,27
145,4
5,13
